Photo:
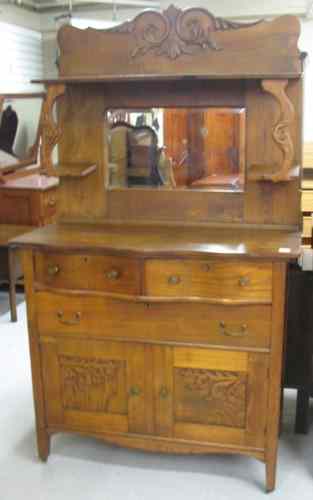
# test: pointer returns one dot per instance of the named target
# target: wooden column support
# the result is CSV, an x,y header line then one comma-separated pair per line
x,y
50,131
281,130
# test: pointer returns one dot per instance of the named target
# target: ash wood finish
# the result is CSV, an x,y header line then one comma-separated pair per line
x,y
101,316
263,47
281,130
156,317
212,279
50,131
85,272
224,345
166,241
29,200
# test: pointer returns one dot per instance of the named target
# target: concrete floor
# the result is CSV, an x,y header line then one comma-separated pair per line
x,y
85,469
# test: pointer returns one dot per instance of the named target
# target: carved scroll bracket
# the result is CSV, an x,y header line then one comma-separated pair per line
x,y
281,131
50,131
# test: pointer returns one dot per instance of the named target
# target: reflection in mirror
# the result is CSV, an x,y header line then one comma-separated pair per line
x,y
177,148
19,130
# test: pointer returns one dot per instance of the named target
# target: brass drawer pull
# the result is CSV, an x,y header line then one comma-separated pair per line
x,y
174,280
53,269
207,267
113,274
134,391
164,392
243,330
243,281
70,322
52,202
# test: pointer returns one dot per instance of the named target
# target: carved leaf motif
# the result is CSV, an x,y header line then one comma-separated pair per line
x,y
50,132
210,397
281,130
175,31
89,384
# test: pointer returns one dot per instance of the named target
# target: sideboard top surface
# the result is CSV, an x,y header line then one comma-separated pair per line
x,y
165,241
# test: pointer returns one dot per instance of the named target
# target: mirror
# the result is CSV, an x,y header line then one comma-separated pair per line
x,y
176,148
19,130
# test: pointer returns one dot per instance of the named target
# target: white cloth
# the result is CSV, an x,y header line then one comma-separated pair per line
x,y
6,159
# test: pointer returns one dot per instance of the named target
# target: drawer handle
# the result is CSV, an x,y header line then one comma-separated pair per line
x,y
53,269
134,391
70,322
207,267
244,281
164,392
243,330
174,280
113,274
52,202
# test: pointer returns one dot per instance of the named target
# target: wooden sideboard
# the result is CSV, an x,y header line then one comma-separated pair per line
x,y
156,313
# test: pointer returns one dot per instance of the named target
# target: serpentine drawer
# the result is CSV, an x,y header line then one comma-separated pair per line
x,y
88,272
212,279
89,317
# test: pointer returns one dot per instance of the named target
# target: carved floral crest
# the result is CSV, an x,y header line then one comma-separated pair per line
x,y
175,32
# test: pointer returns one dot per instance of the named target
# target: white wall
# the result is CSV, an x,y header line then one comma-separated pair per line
x,y
21,17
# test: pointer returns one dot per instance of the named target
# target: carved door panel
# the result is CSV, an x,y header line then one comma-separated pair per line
x,y
211,395
94,386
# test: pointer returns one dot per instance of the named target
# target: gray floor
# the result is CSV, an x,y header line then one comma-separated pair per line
x,y
82,468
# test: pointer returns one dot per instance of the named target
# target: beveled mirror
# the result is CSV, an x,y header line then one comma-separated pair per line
x,y
176,148
19,130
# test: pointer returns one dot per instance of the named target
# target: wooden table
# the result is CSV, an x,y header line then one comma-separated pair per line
x,y
8,260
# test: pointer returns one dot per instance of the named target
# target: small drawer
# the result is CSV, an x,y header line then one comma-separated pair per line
x,y
88,272
203,324
214,279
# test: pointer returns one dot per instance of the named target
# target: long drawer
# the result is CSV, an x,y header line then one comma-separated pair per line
x,y
88,272
89,317
215,279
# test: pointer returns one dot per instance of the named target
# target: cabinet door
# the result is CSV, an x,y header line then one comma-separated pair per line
x,y
93,385
211,395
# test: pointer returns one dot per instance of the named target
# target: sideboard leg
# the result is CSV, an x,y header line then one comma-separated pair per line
x,y
270,475
43,444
